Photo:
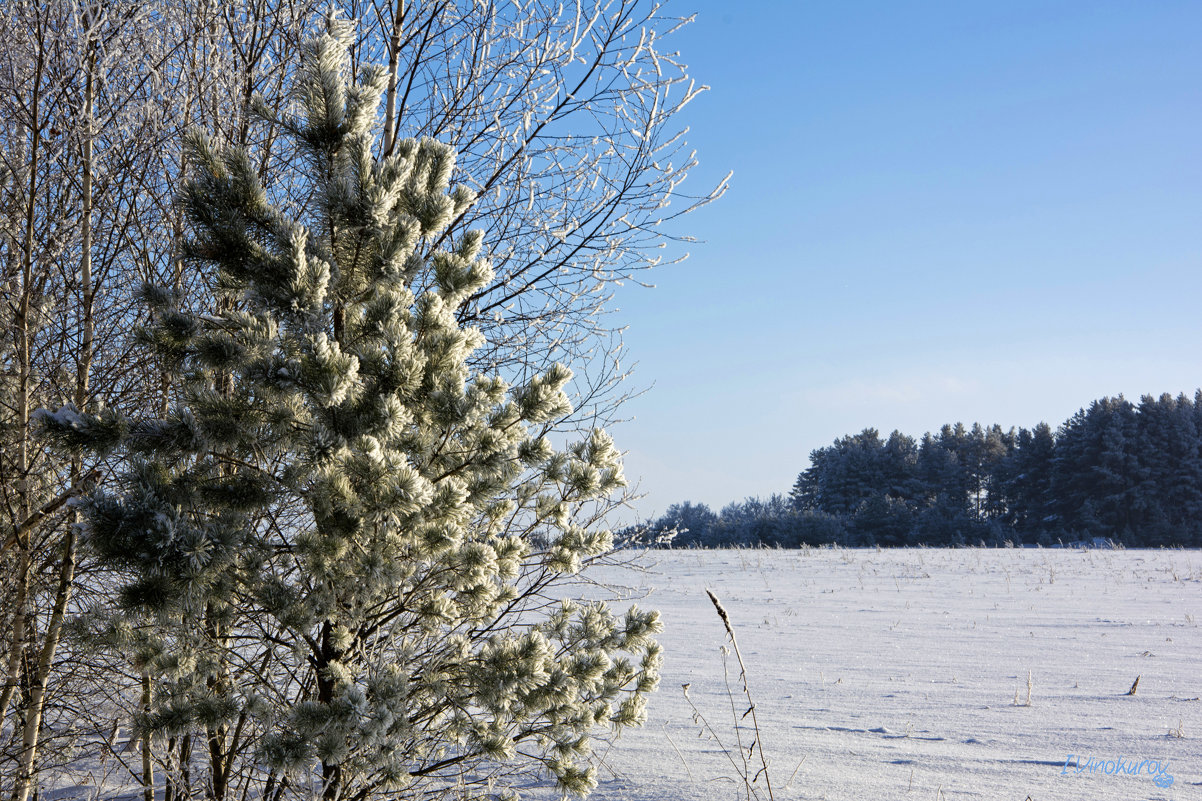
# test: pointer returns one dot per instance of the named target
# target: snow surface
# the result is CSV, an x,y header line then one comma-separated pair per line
x,y
893,674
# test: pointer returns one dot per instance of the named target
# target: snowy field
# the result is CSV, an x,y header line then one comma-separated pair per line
x,y
903,674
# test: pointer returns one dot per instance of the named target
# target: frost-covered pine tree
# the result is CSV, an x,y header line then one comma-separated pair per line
x,y
339,553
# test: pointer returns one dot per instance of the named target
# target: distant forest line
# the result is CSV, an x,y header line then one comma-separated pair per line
x,y
1125,472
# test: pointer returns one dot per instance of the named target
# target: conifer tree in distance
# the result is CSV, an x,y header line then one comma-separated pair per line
x,y
342,543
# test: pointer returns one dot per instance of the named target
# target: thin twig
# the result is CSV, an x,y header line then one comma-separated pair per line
x,y
677,750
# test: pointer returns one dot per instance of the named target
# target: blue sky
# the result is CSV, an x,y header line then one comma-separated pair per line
x,y
940,212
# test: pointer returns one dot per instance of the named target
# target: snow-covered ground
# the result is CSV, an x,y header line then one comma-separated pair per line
x,y
894,674
902,674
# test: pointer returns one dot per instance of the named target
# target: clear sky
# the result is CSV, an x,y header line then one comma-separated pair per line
x,y
940,212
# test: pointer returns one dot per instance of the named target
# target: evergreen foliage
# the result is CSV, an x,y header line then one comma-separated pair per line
x,y
336,553
1116,471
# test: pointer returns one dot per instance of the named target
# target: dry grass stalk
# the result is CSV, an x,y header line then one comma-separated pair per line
x,y
757,742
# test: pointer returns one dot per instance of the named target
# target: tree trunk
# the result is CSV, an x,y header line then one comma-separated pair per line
x,y
18,632
41,676
219,758
394,57
331,774
16,635
147,752
66,579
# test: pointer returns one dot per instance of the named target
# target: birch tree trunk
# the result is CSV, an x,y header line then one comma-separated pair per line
x,y
17,639
66,576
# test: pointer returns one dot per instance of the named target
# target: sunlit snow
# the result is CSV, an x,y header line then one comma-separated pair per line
x,y
902,674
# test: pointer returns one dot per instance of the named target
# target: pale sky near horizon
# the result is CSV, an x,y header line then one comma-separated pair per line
x,y
940,212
